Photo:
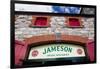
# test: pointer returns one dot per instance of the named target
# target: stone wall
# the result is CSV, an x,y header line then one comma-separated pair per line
x,y
22,29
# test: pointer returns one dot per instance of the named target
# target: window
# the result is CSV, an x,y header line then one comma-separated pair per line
x,y
74,22
40,21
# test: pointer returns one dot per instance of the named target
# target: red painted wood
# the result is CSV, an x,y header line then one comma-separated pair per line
x,y
91,50
20,50
40,21
74,22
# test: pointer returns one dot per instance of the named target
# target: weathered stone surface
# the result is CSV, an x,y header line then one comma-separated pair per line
x,y
57,25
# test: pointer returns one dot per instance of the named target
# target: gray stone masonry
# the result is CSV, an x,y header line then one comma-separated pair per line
x,y
57,25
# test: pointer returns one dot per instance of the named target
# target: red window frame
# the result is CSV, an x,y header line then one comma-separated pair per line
x,y
70,24
34,20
